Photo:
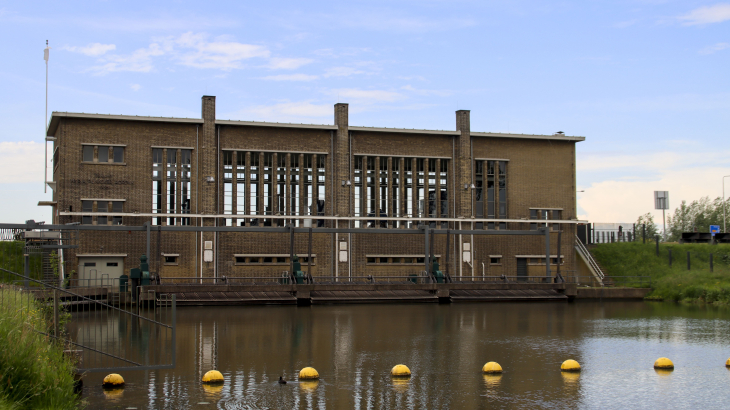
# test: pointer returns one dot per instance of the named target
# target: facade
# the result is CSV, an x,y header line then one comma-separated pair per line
x,y
130,170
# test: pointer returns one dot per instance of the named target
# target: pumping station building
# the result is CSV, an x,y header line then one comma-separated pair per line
x,y
368,193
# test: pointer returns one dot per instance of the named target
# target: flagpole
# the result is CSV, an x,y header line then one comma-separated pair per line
x,y
46,53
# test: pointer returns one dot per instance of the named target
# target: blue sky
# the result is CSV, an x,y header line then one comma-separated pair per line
x,y
644,81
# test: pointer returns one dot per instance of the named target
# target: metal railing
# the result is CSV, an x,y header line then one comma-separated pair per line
x,y
588,258
98,335
612,281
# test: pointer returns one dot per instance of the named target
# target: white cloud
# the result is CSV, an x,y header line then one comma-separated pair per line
x,y
135,87
341,72
16,158
139,61
686,175
194,50
290,77
278,63
92,50
358,96
714,48
707,15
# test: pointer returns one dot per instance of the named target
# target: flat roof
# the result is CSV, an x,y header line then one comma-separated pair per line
x,y
57,115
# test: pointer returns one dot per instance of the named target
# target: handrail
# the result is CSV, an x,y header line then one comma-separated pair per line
x,y
588,258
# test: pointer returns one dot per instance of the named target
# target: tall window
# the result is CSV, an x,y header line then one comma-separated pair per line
x,y
358,183
443,187
395,182
241,185
491,194
420,194
370,190
281,186
408,170
157,189
294,187
171,184
268,183
308,184
228,186
502,193
185,170
254,187
320,188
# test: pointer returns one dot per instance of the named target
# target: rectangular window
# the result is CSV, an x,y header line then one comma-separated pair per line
x,y
170,260
112,264
103,153
254,187
240,260
321,188
495,261
358,186
87,206
117,208
185,177
241,185
268,181
502,193
557,215
118,154
102,206
88,153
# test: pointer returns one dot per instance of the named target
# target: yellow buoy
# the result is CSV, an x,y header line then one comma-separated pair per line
x,y
570,365
113,380
400,370
308,386
492,367
663,363
308,373
727,364
213,376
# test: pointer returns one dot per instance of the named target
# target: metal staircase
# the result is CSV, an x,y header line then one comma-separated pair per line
x,y
588,259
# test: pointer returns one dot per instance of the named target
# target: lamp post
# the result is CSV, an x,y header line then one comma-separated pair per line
x,y
724,224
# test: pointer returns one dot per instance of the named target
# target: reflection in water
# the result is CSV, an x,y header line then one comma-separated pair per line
x,y
664,372
492,381
113,395
353,347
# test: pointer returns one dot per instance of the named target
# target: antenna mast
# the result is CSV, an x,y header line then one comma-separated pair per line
x,y
46,53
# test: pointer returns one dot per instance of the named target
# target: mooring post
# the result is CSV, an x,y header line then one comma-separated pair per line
x,y
558,273
291,249
309,258
425,231
688,262
548,276
448,251
711,267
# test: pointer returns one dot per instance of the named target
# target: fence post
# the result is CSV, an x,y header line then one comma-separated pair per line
x,y
644,233
633,231
670,257
688,262
657,245
711,267
26,270
55,313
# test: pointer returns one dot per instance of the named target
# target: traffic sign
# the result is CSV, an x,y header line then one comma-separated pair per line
x,y
714,229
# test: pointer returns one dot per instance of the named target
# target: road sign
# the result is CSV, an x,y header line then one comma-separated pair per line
x,y
661,199
714,229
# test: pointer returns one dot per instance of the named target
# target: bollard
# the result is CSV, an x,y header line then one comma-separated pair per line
x,y
688,265
670,257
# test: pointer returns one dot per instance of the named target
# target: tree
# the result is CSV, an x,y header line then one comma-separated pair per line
x,y
699,214
651,230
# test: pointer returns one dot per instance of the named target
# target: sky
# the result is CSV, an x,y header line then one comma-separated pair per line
x,y
645,81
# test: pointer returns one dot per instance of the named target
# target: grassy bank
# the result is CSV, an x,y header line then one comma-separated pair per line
x,y
34,373
672,282
12,259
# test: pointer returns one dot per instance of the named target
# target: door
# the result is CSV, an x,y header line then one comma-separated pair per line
x,y
100,271
521,269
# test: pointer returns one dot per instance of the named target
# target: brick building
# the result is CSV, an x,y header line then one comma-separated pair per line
x,y
130,170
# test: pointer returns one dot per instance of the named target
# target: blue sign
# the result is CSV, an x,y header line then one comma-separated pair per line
x,y
714,229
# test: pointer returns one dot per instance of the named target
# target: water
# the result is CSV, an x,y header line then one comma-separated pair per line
x,y
354,347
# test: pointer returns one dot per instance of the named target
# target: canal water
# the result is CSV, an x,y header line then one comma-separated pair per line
x,y
354,347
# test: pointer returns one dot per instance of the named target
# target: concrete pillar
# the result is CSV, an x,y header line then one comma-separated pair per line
x,y
463,166
208,169
341,162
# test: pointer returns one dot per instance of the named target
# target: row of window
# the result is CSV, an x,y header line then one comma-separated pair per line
x,y
272,183
271,260
102,154
101,206
545,214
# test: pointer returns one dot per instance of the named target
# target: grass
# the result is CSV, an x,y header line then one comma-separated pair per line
x,y
34,373
674,282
